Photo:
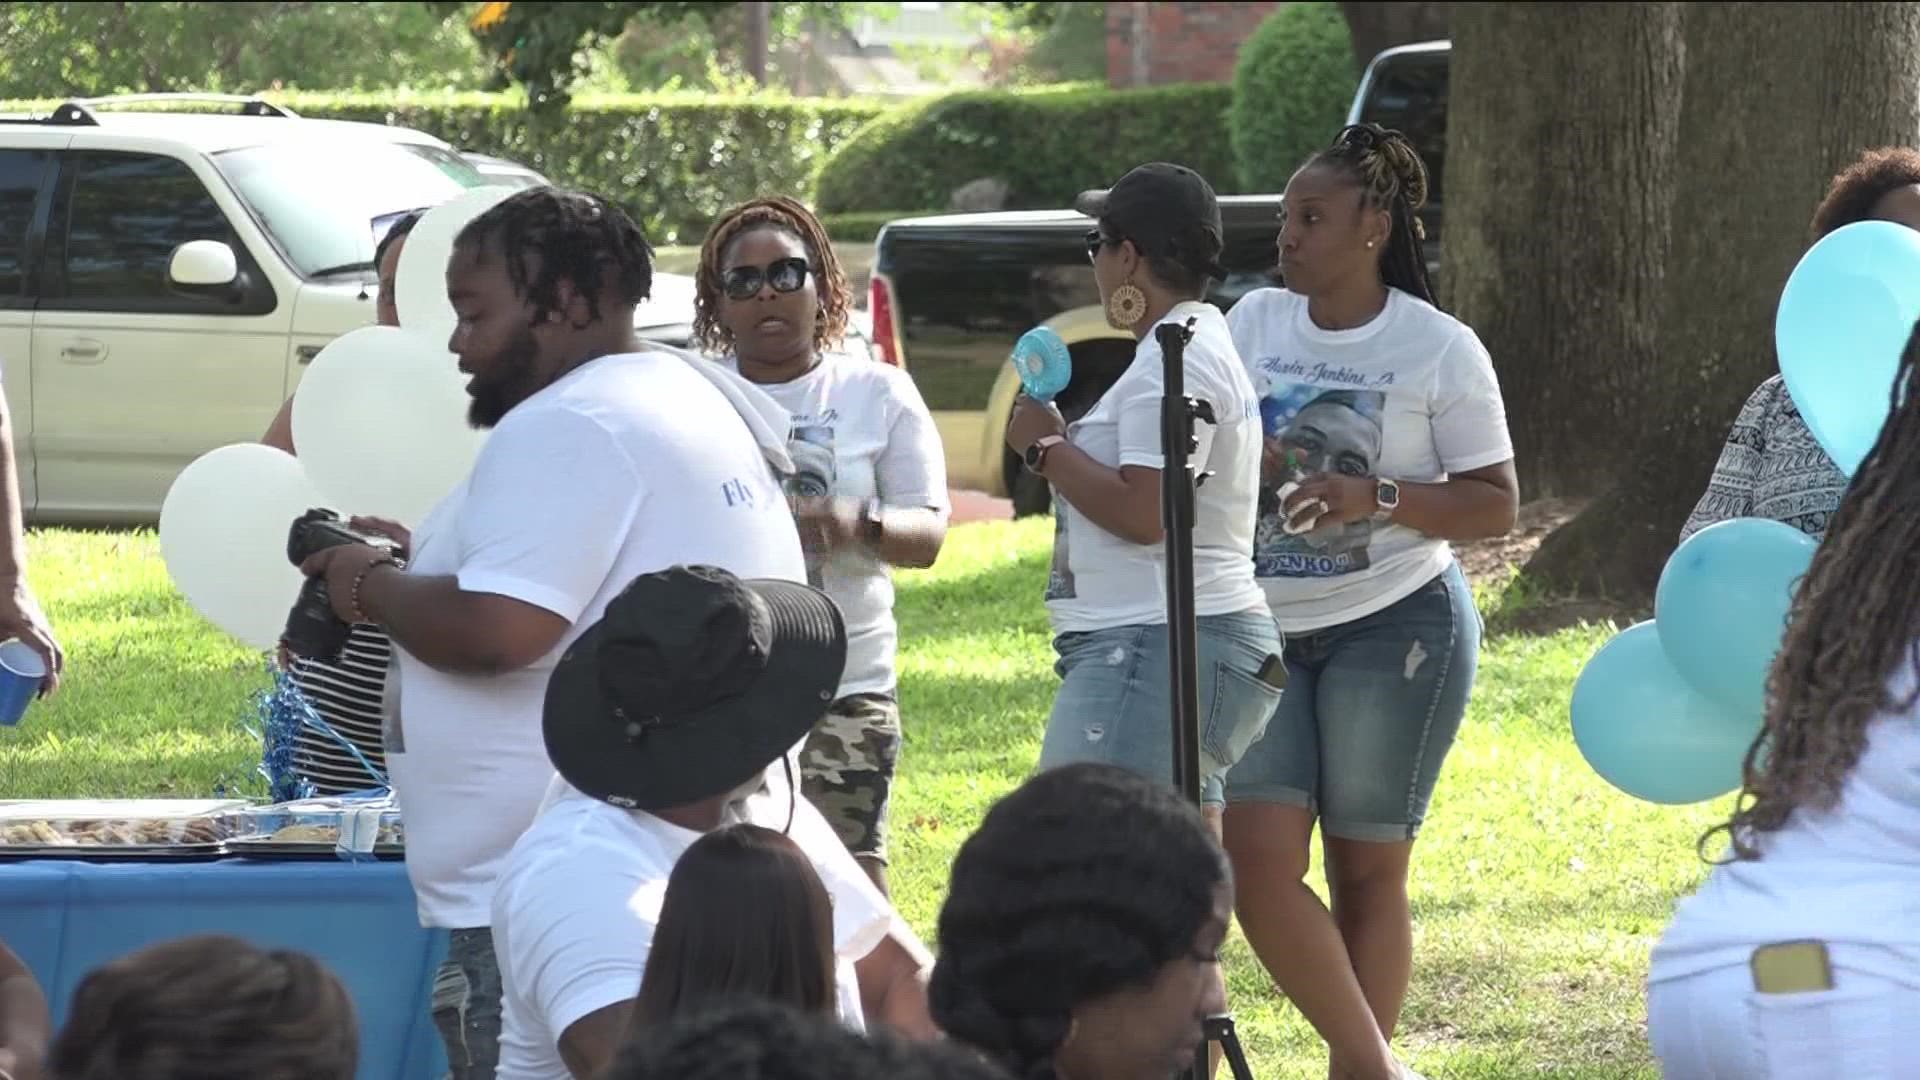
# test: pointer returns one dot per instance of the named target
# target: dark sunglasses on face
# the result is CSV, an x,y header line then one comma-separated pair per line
x,y
785,275
1095,241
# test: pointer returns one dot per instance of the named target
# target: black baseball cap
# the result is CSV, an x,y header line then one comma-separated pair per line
x,y
1165,209
693,682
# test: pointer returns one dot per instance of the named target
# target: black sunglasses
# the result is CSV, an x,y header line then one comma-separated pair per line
x,y
1097,240
785,275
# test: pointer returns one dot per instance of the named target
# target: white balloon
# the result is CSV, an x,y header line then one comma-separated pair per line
x,y
380,423
223,537
420,283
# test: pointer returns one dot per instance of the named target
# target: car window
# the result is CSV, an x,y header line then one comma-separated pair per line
x,y
1409,93
325,203
21,174
126,215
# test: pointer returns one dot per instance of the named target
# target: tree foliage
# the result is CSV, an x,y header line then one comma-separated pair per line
x,y
83,49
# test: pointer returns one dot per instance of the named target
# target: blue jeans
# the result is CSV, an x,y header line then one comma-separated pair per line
x,y
1115,704
466,1005
1371,709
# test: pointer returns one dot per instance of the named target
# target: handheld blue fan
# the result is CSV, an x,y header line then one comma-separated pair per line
x,y
1043,363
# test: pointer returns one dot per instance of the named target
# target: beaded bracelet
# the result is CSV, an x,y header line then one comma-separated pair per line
x,y
359,579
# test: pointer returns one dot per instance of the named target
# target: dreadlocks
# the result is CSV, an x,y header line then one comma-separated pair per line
x,y
1854,620
1391,177
549,236
1853,193
791,217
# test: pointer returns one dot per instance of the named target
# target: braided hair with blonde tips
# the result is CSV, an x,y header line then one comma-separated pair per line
x,y
547,236
1852,630
792,217
1391,177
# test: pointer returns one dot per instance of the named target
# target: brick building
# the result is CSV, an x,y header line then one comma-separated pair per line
x,y
1153,43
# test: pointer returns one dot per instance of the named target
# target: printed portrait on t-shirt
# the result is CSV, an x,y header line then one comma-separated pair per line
x,y
1060,574
811,447
1336,429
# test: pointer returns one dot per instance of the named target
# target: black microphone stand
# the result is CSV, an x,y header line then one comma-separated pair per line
x,y
1178,482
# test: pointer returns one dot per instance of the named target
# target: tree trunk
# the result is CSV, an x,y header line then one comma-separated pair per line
x,y
1375,27
1777,100
1560,165
759,16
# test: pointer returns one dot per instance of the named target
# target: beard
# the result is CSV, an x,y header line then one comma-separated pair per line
x,y
508,379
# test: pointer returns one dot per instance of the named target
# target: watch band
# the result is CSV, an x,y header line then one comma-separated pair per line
x,y
1036,455
873,521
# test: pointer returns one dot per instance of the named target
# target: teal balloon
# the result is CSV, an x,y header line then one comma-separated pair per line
x,y
1845,317
1044,363
1650,734
1721,606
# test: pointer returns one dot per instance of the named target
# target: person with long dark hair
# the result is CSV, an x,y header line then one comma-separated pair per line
x,y
1081,933
1386,439
745,916
760,1040
1800,956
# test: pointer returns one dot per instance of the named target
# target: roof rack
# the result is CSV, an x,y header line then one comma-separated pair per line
x,y
79,112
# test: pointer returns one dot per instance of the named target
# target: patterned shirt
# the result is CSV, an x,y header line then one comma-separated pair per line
x,y
1771,467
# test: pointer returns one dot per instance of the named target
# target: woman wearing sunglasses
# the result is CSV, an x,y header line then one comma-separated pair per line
x,y
870,488
1155,249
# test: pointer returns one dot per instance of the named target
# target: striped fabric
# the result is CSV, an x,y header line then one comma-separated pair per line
x,y
348,696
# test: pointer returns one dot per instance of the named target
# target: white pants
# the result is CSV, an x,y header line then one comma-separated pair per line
x,y
1715,1026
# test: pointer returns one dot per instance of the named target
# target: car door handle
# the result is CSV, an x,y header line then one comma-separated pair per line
x,y
305,354
83,351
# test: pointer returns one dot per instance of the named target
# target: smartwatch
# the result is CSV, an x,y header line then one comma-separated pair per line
x,y
1386,498
1036,455
873,522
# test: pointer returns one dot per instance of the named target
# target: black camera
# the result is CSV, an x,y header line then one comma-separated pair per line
x,y
313,631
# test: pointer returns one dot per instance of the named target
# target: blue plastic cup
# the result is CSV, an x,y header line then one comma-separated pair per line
x,y
21,674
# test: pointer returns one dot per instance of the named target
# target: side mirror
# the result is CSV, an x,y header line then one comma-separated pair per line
x,y
203,263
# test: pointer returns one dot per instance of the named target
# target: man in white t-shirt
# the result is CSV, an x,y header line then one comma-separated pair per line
x,y
663,720
607,460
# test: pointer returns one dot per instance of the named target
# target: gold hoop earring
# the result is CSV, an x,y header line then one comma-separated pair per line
x,y
1127,306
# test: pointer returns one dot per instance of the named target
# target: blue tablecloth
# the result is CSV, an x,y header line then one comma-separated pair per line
x,y
65,918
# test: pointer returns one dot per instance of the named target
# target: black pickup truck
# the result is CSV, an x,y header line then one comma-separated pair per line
x,y
950,294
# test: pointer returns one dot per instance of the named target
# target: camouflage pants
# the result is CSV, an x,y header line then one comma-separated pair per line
x,y
847,769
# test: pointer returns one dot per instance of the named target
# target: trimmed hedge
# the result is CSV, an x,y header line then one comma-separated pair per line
x,y
674,161
1048,144
1292,87
861,227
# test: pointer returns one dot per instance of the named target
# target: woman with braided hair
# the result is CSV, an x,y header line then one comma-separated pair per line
x,y
1800,956
1081,932
869,488
1386,439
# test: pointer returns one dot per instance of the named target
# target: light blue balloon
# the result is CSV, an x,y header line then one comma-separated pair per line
x,y
1845,317
1648,733
1721,606
1043,362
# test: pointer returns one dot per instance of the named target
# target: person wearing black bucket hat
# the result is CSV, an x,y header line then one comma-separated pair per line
x,y
1155,247
679,711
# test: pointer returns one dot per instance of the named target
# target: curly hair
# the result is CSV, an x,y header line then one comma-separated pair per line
x,y
1851,196
1086,880
763,1040
548,236
789,216
209,1007
1854,624
1391,177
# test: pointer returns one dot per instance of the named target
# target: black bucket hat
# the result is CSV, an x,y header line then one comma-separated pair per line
x,y
693,682
1166,210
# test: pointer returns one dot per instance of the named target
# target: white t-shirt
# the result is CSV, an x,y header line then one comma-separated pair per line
x,y
1409,396
1099,580
1848,876
861,431
578,902
628,465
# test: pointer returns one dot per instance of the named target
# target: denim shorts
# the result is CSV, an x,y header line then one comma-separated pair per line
x,y
1115,704
1371,709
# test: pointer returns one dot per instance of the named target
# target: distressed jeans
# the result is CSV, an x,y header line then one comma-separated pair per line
x,y
466,1005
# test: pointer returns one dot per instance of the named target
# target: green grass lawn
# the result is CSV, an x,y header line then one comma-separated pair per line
x,y
1537,888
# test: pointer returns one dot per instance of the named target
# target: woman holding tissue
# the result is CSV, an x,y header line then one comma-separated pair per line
x,y
870,491
1385,439
1155,246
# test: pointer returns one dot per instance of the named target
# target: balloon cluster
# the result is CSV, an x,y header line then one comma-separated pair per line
x,y
1667,710
379,421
